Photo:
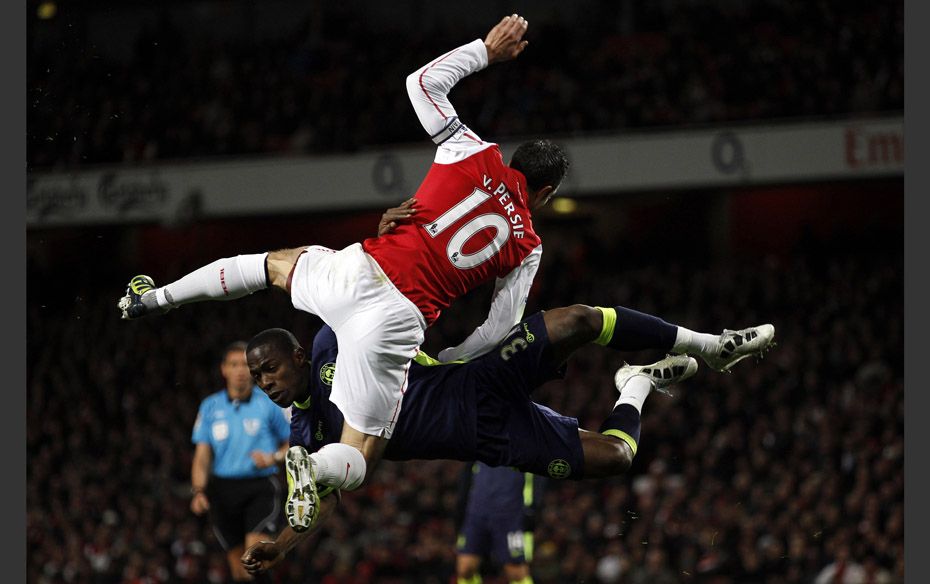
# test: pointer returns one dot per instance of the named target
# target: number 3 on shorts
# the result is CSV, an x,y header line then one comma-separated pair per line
x,y
454,251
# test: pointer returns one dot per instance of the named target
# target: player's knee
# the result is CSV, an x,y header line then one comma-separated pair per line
x,y
622,459
279,264
341,466
584,321
516,572
611,457
466,566
578,322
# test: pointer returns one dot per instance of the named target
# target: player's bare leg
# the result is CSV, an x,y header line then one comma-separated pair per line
x,y
236,570
517,573
280,265
624,329
611,451
571,328
371,447
604,456
467,568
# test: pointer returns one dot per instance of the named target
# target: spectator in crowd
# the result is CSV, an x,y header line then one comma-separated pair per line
x,y
662,64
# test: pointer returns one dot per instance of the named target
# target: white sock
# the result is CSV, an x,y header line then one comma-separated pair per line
x,y
688,341
339,466
224,279
635,392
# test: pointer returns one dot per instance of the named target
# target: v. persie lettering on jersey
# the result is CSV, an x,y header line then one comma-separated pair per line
x,y
503,197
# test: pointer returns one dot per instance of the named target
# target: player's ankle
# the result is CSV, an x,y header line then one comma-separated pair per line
x,y
694,343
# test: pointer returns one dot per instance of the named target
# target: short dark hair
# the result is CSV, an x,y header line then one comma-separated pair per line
x,y
278,339
542,162
233,347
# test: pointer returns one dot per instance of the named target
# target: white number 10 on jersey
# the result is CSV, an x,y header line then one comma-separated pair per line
x,y
454,251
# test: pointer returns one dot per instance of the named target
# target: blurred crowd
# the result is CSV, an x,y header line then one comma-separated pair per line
x,y
337,84
788,470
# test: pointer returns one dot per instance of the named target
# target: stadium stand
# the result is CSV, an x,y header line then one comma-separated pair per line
x,y
778,469
669,64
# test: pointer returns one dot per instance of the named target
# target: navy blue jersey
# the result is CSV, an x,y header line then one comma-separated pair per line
x,y
316,422
480,410
431,425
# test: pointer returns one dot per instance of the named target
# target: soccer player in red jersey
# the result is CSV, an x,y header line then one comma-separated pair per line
x,y
472,224
473,211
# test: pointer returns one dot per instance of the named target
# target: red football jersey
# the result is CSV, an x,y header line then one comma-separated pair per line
x,y
472,224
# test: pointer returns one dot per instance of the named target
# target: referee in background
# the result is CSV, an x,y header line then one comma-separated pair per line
x,y
240,436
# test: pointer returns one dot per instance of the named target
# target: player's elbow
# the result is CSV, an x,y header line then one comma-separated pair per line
x,y
414,91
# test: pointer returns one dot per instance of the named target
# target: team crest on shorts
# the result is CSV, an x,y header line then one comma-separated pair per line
x,y
559,468
327,372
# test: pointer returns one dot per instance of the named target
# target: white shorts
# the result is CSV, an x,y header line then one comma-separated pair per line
x,y
379,331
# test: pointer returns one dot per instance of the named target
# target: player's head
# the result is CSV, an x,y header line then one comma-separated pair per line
x,y
234,369
544,165
277,364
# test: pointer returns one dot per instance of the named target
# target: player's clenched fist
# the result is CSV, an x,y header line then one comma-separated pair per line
x,y
505,41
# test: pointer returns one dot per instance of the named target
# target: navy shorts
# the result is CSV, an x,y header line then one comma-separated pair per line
x,y
500,536
512,430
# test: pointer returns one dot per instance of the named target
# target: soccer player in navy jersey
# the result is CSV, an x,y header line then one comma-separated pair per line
x,y
498,522
482,409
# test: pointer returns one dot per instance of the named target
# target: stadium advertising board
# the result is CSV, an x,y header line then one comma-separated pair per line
x,y
743,155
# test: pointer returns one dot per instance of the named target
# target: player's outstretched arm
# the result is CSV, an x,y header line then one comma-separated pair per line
x,y
507,306
428,87
266,554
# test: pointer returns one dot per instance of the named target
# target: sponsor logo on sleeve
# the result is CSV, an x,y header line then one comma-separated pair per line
x,y
559,468
327,373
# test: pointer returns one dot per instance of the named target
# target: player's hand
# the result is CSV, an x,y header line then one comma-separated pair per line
x,y
397,215
261,556
199,503
505,41
262,459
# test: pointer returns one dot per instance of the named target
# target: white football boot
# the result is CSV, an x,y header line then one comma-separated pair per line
x,y
302,505
662,374
734,346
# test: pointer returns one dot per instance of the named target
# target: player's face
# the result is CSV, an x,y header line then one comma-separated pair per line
x,y
235,371
278,373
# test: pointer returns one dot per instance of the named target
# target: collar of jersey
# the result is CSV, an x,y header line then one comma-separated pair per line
x,y
304,405
241,401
